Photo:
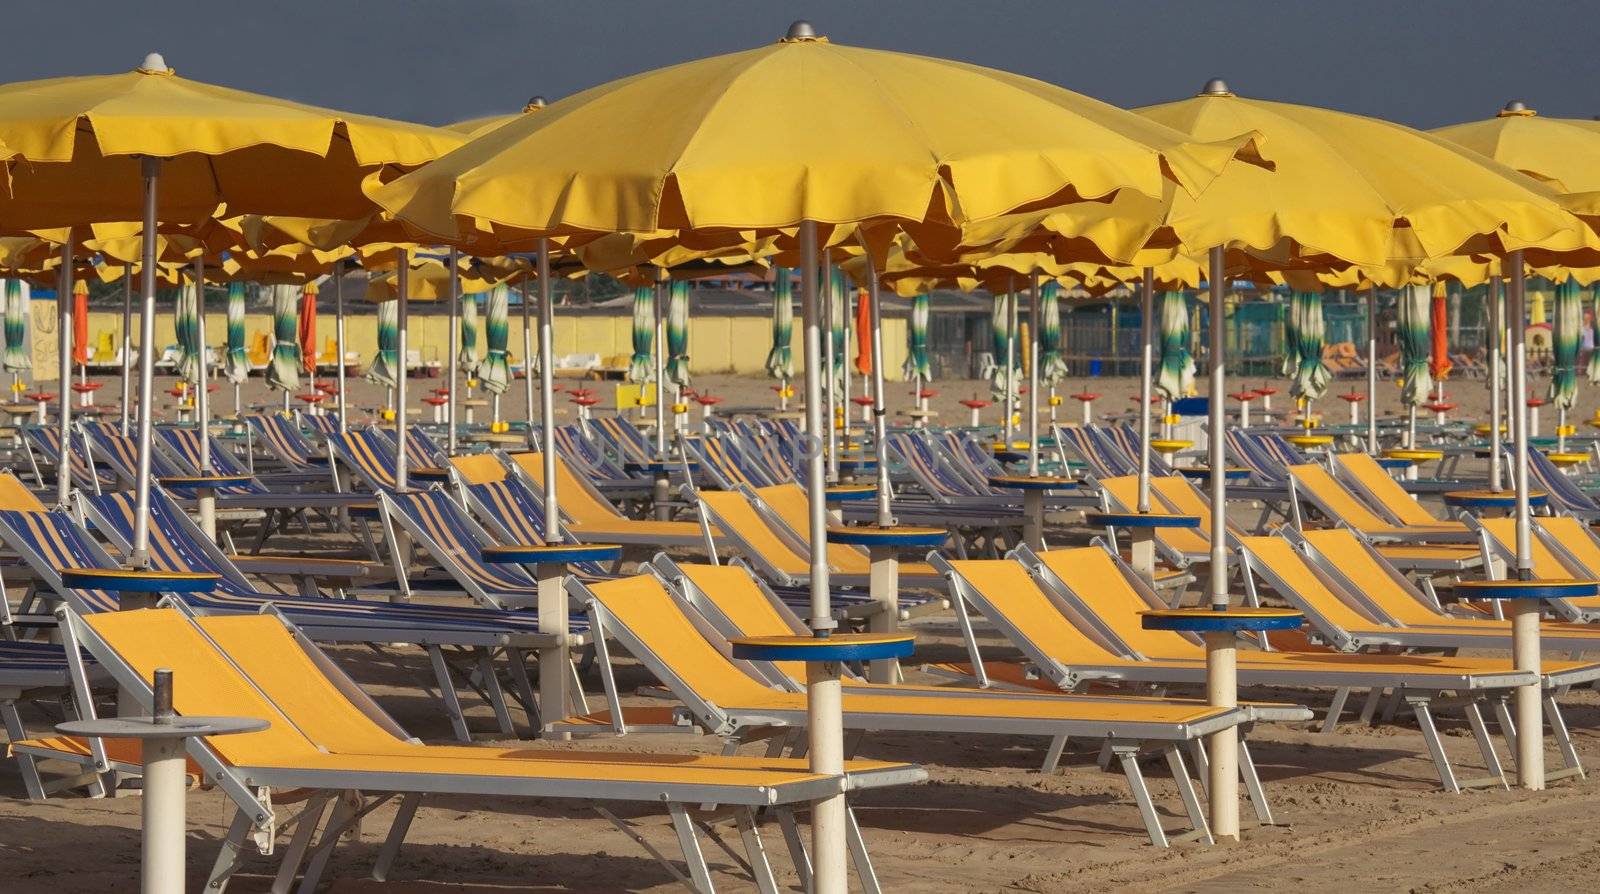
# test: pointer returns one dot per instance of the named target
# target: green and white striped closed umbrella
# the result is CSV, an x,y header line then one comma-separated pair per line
x,y
470,359
641,366
1000,323
838,317
1311,376
236,362
16,357
1291,340
1415,349
496,375
283,371
1052,366
385,364
678,333
780,360
918,365
1594,355
187,330
1175,378
1565,340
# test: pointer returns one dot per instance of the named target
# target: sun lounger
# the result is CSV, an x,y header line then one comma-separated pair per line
x,y
43,445
1311,484
329,743
367,455
284,440
1563,548
1566,496
730,698
1075,618
591,518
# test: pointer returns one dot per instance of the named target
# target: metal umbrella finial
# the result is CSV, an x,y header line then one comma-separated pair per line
x,y
154,63
801,30
534,102
1516,109
1216,87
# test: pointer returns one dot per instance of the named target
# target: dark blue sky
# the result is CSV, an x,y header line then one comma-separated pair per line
x,y
1421,63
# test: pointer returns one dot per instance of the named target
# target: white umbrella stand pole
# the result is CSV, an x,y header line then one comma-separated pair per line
x,y
1524,612
1010,312
880,426
659,358
1147,307
127,350
140,556
527,364
1372,370
338,335
830,362
1224,744
824,706
64,326
402,283
1033,376
453,367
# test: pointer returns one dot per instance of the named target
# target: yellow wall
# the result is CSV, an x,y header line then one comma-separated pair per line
x,y
716,344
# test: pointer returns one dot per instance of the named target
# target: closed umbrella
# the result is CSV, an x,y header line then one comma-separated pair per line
x,y
306,331
1052,365
385,366
918,366
863,328
283,370
1439,363
1175,378
644,334
780,360
80,324
236,362
678,333
184,312
470,359
1565,341
1005,359
16,360
1291,339
496,375
1311,375
1594,320
1416,381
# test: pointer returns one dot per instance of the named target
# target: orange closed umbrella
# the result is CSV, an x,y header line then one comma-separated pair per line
x,y
863,332
308,330
1439,359
80,323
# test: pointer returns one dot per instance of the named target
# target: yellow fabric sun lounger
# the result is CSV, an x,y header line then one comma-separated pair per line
x,y
593,519
321,739
1562,547
1380,489
1313,484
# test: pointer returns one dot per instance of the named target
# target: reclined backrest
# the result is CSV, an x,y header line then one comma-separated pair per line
x,y
1328,492
1347,553
1011,592
735,593
1094,578
735,515
1277,555
1125,490
62,543
478,468
1504,533
790,503
1385,489
15,495
577,501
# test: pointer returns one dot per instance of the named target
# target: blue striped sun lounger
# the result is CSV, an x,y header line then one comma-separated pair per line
x,y
285,441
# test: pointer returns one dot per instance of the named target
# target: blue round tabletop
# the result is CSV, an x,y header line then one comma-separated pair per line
x,y
1204,473
1526,589
839,647
897,536
558,553
854,462
128,580
1141,520
1491,499
1206,620
849,493
1025,482
659,467
202,482
1395,463
428,473
363,510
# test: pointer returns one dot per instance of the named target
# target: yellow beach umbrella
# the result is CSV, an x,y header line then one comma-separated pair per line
x,y
1562,152
97,147
477,127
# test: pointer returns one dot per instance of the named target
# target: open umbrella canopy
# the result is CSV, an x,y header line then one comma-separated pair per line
x,y
224,149
895,137
496,373
1562,152
477,127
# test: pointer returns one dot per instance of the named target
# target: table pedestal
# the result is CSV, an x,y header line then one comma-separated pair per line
x,y
1222,691
1142,553
883,547
1033,519
1529,699
554,658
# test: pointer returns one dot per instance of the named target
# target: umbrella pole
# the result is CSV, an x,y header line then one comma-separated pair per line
x,y
1033,376
824,706
830,363
402,281
880,426
1147,299
527,361
202,399
338,335
64,305
1011,360
127,348
455,355
140,556
1224,744
1525,612
1372,370
547,397
842,408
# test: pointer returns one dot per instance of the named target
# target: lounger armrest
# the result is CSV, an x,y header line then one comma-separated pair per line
x,y
300,566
